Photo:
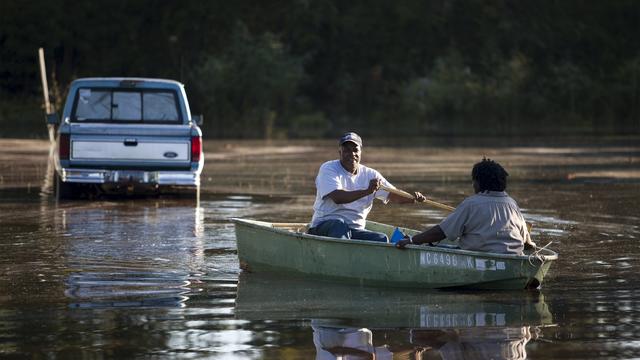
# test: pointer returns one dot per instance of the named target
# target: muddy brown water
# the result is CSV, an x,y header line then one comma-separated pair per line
x,y
159,278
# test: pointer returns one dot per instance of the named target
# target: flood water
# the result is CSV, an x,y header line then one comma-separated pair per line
x,y
159,277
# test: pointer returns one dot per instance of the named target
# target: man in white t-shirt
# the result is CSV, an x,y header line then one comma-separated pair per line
x,y
488,221
345,193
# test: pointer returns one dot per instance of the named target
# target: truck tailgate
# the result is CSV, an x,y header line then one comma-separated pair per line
x,y
126,146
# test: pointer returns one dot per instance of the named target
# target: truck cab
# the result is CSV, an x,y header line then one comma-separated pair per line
x,y
123,134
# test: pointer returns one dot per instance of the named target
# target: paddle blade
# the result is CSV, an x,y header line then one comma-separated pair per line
x,y
396,236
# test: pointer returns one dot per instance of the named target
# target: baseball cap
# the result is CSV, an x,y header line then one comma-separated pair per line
x,y
351,136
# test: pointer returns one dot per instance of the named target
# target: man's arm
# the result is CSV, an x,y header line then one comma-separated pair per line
x,y
345,197
432,235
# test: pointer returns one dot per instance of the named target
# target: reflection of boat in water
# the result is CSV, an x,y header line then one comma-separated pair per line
x,y
264,246
354,322
334,343
476,343
266,296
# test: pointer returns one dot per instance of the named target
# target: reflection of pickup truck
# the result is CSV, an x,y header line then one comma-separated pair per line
x,y
124,134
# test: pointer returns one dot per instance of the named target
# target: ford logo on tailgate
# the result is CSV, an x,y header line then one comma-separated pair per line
x,y
170,154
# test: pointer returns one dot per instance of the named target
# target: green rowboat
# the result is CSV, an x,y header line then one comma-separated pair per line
x,y
286,248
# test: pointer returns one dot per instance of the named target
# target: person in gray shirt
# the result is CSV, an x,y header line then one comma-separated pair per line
x,y
488,221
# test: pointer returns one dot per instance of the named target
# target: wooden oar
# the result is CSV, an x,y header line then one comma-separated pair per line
x,y
430,202
409,196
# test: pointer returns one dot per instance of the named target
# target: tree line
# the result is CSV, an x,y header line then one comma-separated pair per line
x,y
314,68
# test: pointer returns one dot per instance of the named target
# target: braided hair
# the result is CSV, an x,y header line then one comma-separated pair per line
x,y
489,175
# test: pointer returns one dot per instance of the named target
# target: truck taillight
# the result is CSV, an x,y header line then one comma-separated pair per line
x,y
63,147
196,148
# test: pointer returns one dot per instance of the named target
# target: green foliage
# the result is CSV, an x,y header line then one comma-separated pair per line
x,y
248,88
27,119
311,68
625,94
309,126
452,99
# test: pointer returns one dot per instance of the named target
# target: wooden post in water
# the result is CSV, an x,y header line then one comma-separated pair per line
x,y
43,77
45,92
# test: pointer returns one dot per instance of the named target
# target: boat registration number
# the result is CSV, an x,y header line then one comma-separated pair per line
x,y
428,258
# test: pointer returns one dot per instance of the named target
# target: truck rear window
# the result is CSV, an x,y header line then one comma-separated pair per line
x,y
125,106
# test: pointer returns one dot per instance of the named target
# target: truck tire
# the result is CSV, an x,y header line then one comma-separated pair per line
x,y
63,190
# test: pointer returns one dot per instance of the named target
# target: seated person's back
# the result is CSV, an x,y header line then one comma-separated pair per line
x,y
488,221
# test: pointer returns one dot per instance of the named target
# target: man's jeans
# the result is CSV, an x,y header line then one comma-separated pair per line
x,y
339,229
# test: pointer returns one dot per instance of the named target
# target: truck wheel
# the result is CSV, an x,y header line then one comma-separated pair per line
x,y
63,190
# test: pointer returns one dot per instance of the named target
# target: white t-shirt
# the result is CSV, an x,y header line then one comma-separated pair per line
x,y
332,176
489,221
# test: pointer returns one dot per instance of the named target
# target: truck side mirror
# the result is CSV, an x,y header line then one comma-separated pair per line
x,y
198,119
52,119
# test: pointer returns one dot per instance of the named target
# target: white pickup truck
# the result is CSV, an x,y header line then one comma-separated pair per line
x,y
126,134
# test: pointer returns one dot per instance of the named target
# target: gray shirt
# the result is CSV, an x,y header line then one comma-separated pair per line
x,y
489,221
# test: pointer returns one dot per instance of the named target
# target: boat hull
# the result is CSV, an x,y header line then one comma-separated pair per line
x,y
265,247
